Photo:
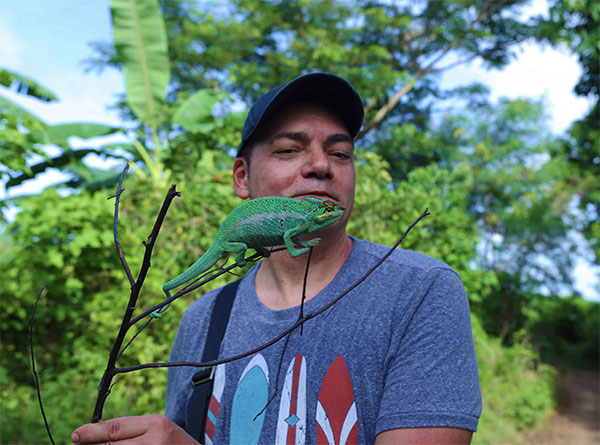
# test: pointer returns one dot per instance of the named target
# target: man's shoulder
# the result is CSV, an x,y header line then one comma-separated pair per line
x,y
402,258
202,307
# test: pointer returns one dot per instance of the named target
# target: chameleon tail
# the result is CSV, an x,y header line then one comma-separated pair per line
x,y
156,313
201,265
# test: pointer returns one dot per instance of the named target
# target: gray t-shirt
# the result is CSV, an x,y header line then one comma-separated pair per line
x,y
396,352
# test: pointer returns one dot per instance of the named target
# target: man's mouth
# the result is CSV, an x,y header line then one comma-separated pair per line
x,y
319,194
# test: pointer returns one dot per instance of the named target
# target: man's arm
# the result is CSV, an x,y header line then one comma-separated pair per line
x,y
151,429
424,436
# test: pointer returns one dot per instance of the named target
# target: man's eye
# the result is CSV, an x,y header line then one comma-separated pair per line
x,y
285,150
341,155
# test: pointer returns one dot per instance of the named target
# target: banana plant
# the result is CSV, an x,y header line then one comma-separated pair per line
x,y
23,134
140,43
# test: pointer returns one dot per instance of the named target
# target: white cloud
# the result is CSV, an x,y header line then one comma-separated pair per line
x,y
10,48
536,73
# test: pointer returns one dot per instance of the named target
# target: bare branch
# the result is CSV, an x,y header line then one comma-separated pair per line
x,y
33,370
285,345
457,63
109,373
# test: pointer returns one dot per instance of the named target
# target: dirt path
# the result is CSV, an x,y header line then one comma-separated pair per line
x,y
577,420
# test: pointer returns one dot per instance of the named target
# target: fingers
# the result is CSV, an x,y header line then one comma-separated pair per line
x,y
150,429
111,430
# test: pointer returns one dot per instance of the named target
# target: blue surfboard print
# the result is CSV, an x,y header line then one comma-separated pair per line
x,y
249,399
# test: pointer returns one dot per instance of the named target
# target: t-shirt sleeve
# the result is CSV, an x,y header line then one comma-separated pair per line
x,y
431,370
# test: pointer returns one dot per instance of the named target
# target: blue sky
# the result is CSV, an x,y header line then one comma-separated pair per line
x,y
48,40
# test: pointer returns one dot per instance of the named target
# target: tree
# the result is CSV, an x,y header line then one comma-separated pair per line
x,y
390,52
576,24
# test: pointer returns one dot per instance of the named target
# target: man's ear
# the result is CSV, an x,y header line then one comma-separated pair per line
x,y
240,178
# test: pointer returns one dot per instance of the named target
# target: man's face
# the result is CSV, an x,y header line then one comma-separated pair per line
x,y
306,152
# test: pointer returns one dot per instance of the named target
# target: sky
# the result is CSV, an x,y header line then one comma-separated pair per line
x,y
48,41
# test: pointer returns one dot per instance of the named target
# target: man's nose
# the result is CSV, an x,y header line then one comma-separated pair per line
x,y
317,163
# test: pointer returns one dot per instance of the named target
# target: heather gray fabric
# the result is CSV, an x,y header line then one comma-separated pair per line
x,y
404,336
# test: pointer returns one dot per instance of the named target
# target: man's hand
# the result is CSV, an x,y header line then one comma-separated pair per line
x,y
151,429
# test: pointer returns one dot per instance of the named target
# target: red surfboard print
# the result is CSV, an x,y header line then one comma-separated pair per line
x,y
213,406
337,421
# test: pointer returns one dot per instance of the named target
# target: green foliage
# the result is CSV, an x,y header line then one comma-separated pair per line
x,y
141,44
500,189
521,196
517,390
565,330
17,146
576,24
67,243
195,113
382,213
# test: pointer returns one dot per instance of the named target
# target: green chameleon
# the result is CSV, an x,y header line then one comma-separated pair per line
x,y
261,223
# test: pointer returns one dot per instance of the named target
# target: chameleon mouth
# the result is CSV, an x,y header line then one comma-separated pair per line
x,y
330,214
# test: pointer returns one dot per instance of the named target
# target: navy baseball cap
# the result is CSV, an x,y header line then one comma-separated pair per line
x,y
322,88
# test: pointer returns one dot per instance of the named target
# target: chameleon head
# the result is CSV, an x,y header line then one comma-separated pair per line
x,y
323,212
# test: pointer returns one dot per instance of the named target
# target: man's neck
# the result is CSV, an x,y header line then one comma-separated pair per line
x,y
280,277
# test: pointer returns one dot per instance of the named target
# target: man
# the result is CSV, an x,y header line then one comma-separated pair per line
x,y
392,363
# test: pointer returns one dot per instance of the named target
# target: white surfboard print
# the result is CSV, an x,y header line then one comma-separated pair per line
x,y
291,422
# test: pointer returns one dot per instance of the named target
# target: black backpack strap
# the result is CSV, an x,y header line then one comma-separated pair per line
x,y
202,380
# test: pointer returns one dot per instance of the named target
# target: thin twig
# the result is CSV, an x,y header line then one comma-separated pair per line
x,y
116,225
284,333
275,392
33,370
304,290
134,336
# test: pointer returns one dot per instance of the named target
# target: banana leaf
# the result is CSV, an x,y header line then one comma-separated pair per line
x,y
26,86
141,43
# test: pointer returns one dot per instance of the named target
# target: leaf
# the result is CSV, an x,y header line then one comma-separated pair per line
x,y
141,44
58,134
21,113
66,158
92,178
195,112
26,86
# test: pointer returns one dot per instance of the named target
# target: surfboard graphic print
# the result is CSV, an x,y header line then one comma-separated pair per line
x,y
214,404
337,421
249,399
291,422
